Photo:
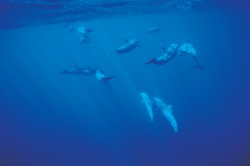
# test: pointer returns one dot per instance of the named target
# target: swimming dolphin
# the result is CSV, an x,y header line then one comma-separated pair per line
x,y
188,49
167,56
128,46
148,103
87,71
165,109
154,29
99,74
167,112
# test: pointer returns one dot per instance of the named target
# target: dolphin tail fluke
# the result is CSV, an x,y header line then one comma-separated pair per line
x,y
150,62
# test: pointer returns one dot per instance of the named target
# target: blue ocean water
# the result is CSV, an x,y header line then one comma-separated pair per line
x,y
50,118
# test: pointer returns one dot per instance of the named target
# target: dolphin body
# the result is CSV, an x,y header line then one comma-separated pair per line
x,y
87,71
160,60
148,104
168,55
188,49
167,112
128,46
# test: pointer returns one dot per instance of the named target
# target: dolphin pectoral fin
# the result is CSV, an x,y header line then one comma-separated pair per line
x,y
148,104
169,116
126,40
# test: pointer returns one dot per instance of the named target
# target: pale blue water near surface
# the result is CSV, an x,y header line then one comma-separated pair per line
x,y
53,119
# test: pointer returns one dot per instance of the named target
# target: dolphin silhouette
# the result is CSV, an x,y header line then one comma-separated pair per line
x,y
87,71
167,112
187,49
128,46
164,108
168,55
148,104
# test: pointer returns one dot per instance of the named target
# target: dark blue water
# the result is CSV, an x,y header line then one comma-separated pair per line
x,y
49,118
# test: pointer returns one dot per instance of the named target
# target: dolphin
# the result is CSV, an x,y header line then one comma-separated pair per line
x,y
148,104
168,55
167,112
87,71
187,49
99,74
128,46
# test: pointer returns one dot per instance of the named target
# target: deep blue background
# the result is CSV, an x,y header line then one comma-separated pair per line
x,y
47,118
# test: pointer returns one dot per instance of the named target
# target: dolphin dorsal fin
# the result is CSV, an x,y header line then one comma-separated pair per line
x,y
126,40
